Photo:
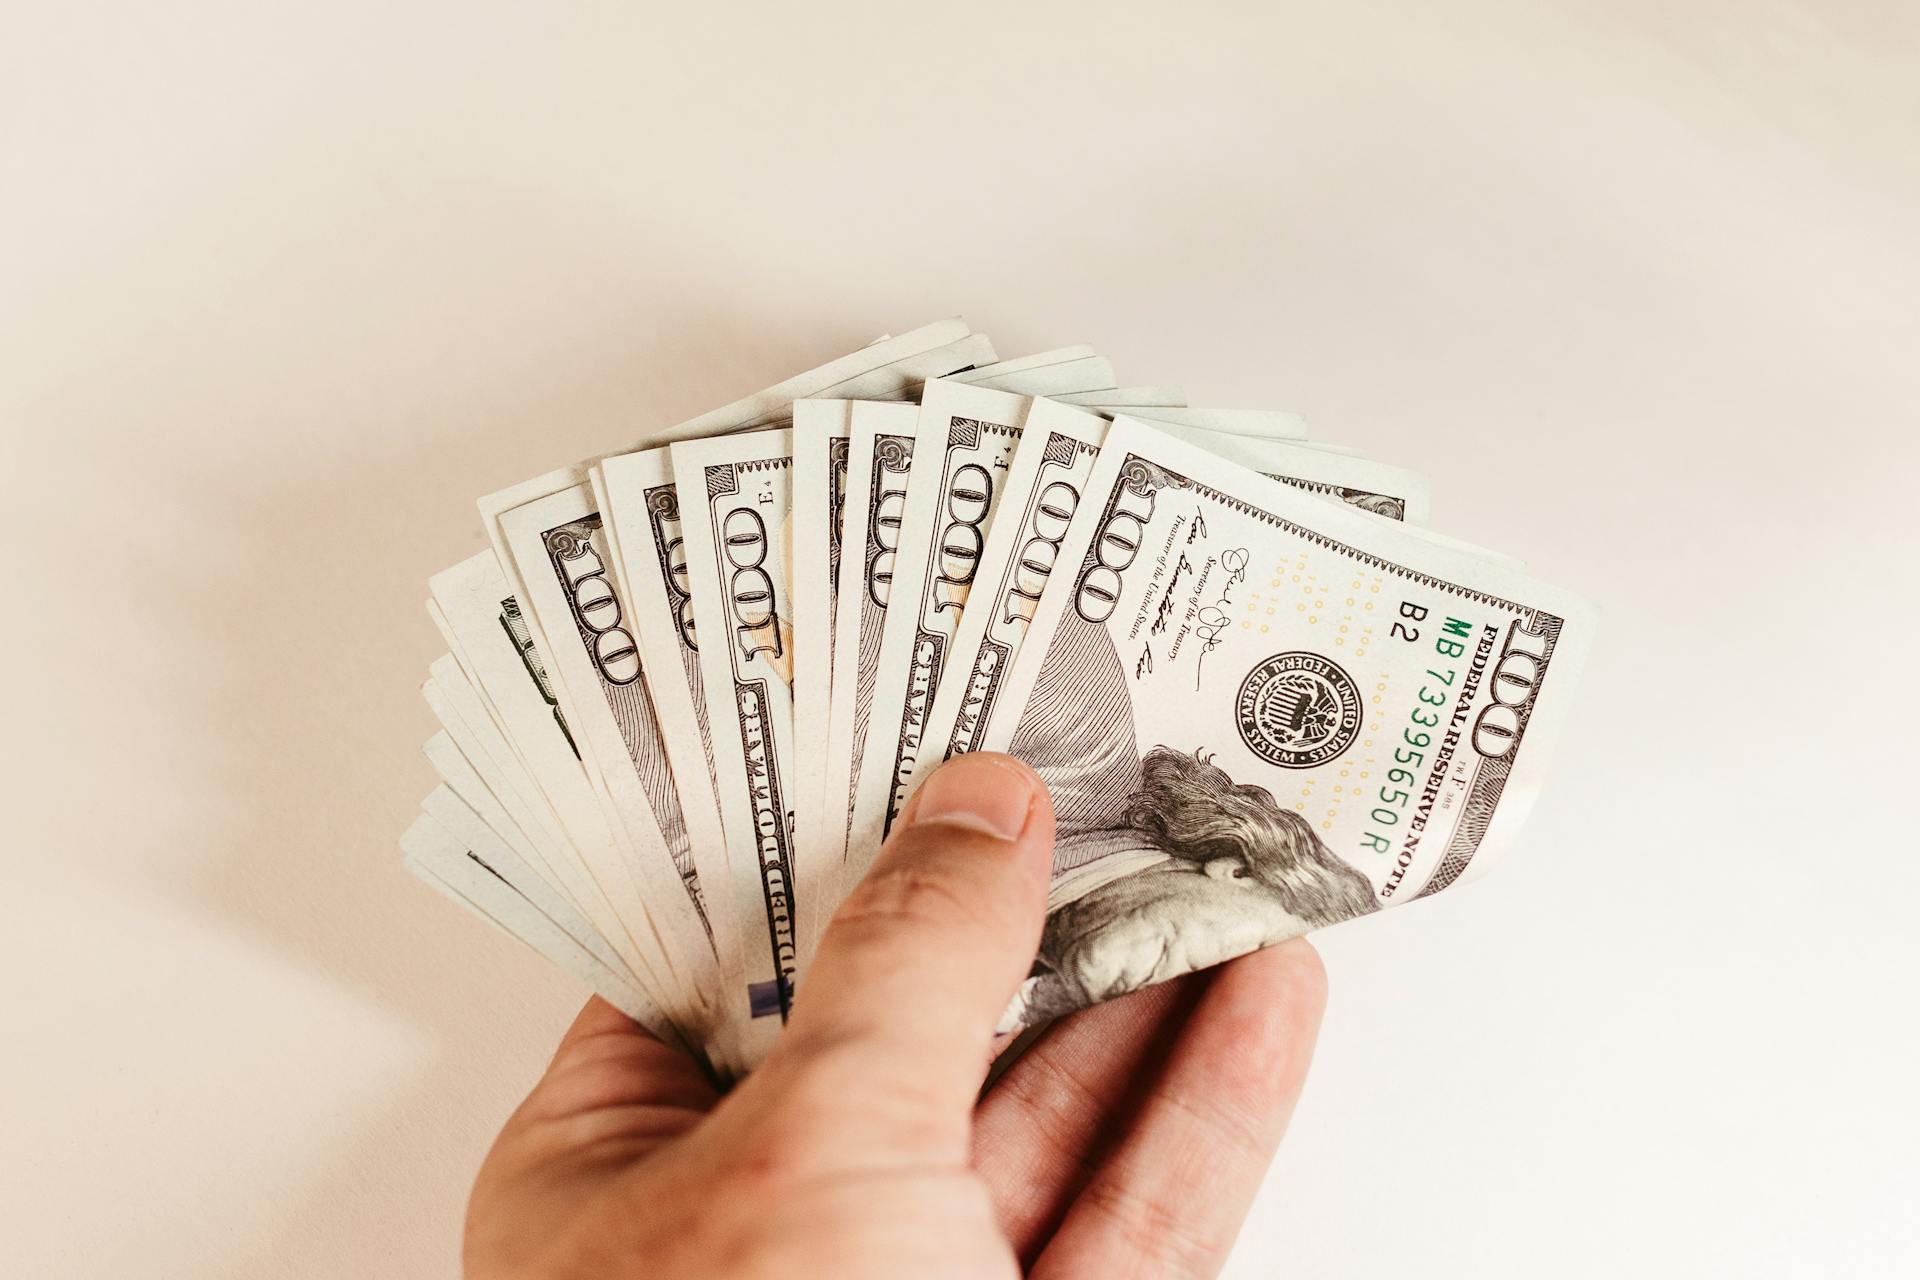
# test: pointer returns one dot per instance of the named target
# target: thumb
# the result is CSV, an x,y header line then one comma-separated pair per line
x,y
921,959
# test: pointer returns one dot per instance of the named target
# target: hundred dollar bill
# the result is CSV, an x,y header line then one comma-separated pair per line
x,y
1270,424
925,352
485,624
558,545
645,516
820,445
874,494
479,788
638,492
1042,490
457,650
652,521
1127,398
899,360
879,457
479,791
466,730
964,438
1377,487
629,486
1055,379
1068,378
1260,712
1043,379
1075,377
735,495
1026,364
900,380
489,740
891,365
1334,472
1039,495
486,882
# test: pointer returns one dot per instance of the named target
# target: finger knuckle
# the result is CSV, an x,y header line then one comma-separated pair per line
x,y
837,1089
907,897
1154,1233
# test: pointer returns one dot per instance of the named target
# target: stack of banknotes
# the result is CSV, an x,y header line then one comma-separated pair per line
x,y
691,685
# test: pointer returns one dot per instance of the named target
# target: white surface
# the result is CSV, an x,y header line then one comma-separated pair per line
x,y
1635,283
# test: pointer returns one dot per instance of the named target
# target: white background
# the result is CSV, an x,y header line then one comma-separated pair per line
x,y
1635,283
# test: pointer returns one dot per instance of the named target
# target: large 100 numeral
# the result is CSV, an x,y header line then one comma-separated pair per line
x,y
1034,559
969,498
756,619
1114,547
883,543
1516,677
596,608
663,510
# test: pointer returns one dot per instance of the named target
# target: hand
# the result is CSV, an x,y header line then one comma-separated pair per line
x,y
1127,1142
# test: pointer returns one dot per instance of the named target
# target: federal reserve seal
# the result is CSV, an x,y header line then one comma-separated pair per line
x,y
1298,710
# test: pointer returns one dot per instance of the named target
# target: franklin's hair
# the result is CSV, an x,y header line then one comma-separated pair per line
x,y
1191,809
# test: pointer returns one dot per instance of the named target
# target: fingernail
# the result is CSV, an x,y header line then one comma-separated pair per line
x,y
989,794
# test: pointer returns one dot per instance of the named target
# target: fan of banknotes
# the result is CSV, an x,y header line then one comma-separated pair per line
x,y
690,685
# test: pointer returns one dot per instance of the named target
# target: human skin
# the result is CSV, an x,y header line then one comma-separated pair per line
x,y
1128,1141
